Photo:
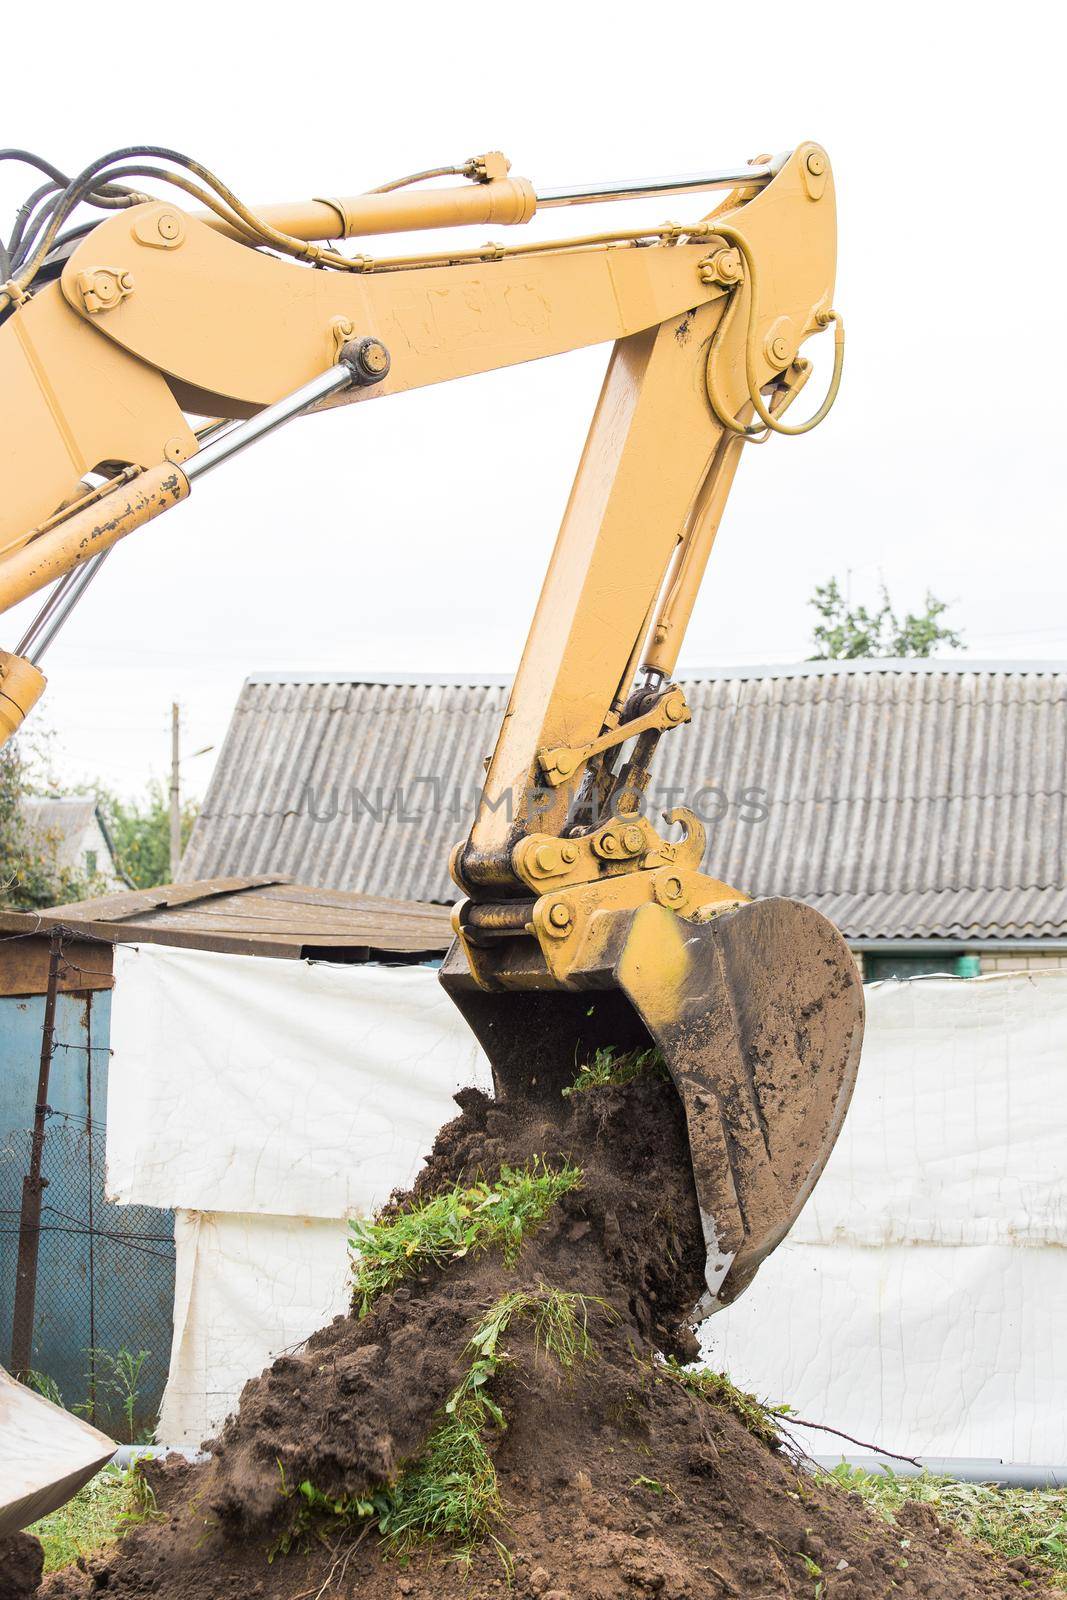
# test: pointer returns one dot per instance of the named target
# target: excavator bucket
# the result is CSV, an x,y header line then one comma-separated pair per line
x,y
758,1014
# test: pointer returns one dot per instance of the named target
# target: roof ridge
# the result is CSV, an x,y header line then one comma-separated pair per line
x,y
898,665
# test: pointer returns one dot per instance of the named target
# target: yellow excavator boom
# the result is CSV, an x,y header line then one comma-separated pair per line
x,y
581,924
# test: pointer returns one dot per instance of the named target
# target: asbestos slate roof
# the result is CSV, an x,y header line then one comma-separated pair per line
x,y
64,818
905,799
58,825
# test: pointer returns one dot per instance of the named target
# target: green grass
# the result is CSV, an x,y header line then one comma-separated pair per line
x,y
96,1516
610,1069
450,1492
759,1418
455,1223
1013,1522
113,1390
43,1384
655,1486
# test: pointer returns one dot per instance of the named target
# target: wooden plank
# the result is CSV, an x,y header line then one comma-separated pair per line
x,y
266,917
240,908
262,915
388,932
305,894
421,937
131,902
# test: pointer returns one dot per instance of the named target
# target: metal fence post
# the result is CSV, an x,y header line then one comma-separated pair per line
x,y
33,1185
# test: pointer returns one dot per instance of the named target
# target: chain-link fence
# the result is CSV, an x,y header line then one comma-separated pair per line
x,y
103,1303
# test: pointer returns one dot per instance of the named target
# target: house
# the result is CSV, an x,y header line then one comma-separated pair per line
x,y
72,838
920,804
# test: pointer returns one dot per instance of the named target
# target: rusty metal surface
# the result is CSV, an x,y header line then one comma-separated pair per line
x,y
105,1272
759,1016
906,799
34,1183
24,959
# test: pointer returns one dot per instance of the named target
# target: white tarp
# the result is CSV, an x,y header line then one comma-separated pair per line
x,y
956,1132
46,1454
915,1304
245,1084
925,1350
247,1288
266,1101
920,1300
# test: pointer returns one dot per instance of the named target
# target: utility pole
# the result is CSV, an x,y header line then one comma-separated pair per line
x,y
175,792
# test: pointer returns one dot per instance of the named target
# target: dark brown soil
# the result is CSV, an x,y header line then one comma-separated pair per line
x,y
21,1561
618,1481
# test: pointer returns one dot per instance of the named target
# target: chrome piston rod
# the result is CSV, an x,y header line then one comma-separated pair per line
x,y
583,194
58,607
363,362
230,442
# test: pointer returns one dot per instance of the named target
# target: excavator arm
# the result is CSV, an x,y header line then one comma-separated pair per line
x,y
115,340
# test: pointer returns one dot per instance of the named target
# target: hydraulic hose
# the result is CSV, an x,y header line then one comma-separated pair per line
x,y
767,420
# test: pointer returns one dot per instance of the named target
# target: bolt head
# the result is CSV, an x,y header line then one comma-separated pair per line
x,y
724,267
609,844
728,265
569,852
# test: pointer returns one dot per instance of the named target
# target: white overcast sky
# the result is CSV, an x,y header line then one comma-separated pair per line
x,y
412,534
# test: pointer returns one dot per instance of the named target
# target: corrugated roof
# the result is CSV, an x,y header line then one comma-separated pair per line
x,y
62,818
261,915
911,799
61,822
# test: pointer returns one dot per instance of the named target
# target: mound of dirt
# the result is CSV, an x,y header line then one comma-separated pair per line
x,y
618,1480
21,1564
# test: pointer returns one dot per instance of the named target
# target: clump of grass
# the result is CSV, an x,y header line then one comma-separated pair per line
x,y
457,1222
654,1486
1013,1522
43,1384
759,1418
109,1503
450,1492
611,1069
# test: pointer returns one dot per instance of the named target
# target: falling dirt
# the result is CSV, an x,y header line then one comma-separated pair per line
x,y
618,1481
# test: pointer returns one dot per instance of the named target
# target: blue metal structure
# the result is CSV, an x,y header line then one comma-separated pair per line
x,y
105,1273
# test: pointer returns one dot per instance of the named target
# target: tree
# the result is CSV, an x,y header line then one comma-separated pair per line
x,y
846,633
140,833
30,875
